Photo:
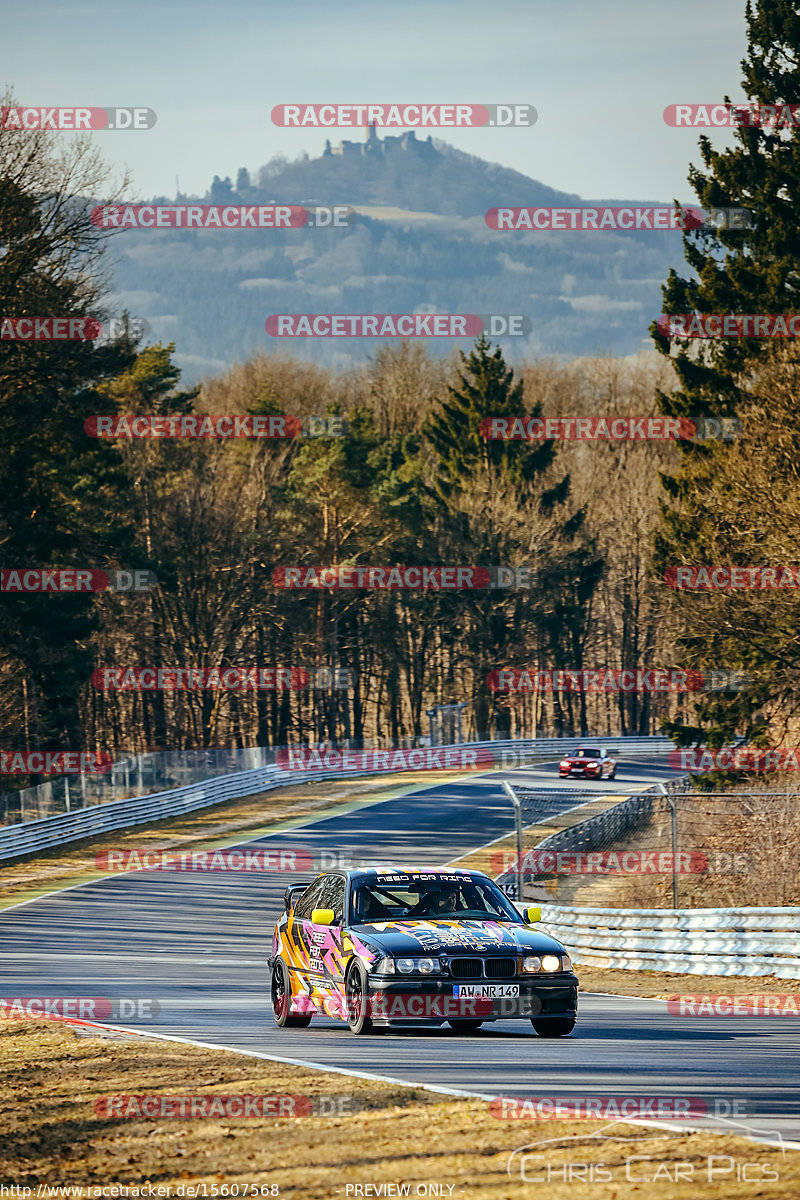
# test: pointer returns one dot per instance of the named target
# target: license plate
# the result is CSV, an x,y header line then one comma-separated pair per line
x,y
478,991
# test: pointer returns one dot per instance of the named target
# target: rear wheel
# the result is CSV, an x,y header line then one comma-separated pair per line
x,y
554,1028
613,773
464,1026
357,998
282,998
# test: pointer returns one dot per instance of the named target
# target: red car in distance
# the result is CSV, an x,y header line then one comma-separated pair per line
x,y
590,762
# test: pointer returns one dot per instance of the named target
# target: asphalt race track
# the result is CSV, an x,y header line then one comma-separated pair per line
x,y
196,943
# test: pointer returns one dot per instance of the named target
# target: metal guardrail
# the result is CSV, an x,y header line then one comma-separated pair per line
x,y
699,941
147,774
18,840
606,826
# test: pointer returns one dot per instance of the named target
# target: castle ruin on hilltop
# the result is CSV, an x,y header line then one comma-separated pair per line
x,y
373,145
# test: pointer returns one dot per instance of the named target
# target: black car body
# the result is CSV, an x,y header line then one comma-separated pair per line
x,y
376,947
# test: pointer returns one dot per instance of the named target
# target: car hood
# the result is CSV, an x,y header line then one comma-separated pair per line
x,y
571,758
452,937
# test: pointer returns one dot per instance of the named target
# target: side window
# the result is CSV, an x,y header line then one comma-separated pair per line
x,y
309,899
333,896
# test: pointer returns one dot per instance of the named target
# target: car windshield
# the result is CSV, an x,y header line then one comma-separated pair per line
x,y
584,753
409,897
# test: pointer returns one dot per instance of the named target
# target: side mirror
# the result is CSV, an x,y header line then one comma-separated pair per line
x,y
292,891
533,914
322,916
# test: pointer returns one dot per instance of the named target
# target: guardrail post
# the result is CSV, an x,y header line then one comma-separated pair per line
x,y
509,791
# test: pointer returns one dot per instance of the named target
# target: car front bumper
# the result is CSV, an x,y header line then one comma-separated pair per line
x,y
431,1001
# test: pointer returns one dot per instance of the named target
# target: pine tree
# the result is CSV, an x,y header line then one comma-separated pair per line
x,y
748,272
63,498
499,504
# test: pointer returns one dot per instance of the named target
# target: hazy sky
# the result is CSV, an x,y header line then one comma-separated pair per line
x,y
599,74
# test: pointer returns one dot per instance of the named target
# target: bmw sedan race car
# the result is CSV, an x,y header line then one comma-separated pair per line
x,y
385,946
589,762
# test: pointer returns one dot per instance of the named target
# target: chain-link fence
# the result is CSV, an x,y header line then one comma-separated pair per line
x,y
668,847
136,775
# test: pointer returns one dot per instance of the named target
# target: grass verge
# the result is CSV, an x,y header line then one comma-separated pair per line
x,y
375,1133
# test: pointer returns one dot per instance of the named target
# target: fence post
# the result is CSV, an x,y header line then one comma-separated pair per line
x,y
674,823
509,791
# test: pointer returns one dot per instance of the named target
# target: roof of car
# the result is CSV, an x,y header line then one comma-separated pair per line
x,y
367,873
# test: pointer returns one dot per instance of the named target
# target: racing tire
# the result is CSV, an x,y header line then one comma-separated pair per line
x,y
613,774
357,999
464,1025
281,999
554,1028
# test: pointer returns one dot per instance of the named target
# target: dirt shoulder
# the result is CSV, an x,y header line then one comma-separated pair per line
x,y
58,1131
660,985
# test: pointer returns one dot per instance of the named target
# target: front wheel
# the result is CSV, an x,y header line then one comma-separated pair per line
x,y
613,774
282,999
554,1028
464,1026
357,999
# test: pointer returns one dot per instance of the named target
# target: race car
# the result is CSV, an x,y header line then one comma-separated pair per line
x,y
590,762
387,945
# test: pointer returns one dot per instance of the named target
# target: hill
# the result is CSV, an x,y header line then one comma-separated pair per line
x,y
419,243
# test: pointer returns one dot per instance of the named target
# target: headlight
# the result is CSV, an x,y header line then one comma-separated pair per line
x,y
384,966
531,964
564,762
551,962
419,966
